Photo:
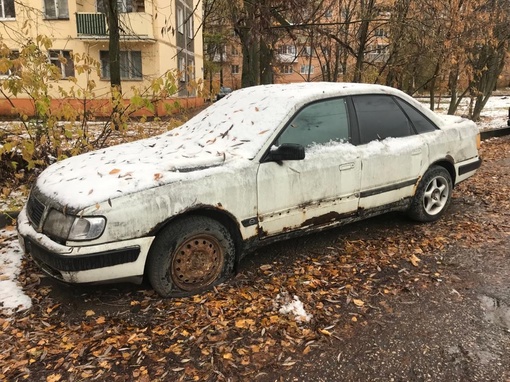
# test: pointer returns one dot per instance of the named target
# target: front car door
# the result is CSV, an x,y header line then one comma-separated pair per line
x,y
320,189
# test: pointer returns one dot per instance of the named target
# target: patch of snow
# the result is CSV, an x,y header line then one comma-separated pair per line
x,y
494,115
296,308
11,294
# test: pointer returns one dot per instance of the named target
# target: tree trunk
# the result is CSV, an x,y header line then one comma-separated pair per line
x,y
366,15
266,58
112,16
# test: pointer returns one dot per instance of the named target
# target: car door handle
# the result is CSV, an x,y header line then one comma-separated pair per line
x,y
416,152
346,166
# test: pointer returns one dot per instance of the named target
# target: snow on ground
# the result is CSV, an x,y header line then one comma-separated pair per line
x,y
494,116
11,295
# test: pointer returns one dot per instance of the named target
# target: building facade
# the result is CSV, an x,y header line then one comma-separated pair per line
x,y
156,37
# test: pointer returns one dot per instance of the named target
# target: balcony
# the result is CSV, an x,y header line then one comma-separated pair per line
x,y
91,25
286,58
133,26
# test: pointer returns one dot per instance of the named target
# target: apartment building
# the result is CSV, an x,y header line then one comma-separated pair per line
x,y
304,48
156,36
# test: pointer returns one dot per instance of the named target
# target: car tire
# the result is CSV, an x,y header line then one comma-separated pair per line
x,y
189,256
432,196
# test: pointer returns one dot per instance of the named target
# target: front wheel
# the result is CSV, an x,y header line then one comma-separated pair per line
x,y
190,256
432,196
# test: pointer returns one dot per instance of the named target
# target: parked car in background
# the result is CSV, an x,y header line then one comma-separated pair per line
x,y
264,164
223,92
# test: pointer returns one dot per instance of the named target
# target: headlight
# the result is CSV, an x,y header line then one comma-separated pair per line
x,y
87,228
58,225
70,227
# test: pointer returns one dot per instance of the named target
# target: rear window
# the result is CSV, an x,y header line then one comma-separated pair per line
x,y
419,121
379,117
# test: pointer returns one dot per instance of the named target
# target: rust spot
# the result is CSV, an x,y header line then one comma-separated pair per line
x,y
261,232
325,219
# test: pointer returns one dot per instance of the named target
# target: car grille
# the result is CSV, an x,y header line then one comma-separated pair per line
x,y
35,211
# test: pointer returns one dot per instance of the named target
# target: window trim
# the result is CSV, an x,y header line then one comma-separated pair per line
x,y
311,69
290,69
13,71
180,20
2,10
56,4
130,68
191,32
182,69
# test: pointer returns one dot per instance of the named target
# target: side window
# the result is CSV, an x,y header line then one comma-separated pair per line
x,y
379,117
318,123
419,121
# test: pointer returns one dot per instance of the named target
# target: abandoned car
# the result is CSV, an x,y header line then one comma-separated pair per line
x,y
262,164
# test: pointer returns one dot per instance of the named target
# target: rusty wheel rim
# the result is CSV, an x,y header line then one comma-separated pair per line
x,y
197,262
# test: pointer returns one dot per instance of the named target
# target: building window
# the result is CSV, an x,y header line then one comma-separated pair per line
x,y
235,69
130,64
7,9
191,32
287,49
182,69
306,69
123,6
379,32
287,69
56,9
180,20
9,65
381,49
328,14
307,51
63,60
234,51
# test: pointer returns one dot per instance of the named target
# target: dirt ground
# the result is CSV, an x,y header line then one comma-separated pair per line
x,y
391,300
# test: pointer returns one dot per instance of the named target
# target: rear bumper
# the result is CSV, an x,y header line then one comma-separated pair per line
x,y
122,260
467,168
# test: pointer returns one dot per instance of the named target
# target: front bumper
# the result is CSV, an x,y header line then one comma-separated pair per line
x,y
122,260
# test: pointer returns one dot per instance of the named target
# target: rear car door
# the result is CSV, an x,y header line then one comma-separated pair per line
x,y
321,188
393,152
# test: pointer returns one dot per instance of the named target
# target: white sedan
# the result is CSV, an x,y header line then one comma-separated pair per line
x,y
264,163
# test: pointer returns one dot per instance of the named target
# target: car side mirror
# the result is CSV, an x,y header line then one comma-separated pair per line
x,y
287,151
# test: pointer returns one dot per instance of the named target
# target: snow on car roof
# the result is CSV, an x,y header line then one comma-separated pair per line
x,y
237,126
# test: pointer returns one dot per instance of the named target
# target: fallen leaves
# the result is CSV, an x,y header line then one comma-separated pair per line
x,y
237,330
414,260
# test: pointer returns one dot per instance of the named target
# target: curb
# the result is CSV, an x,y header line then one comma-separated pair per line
x,y
494,133
8,218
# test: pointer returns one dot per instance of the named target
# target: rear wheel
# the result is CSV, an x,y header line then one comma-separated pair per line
x,y
190,256
432,196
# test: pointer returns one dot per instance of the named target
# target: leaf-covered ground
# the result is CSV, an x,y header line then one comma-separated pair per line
x,y
344,277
